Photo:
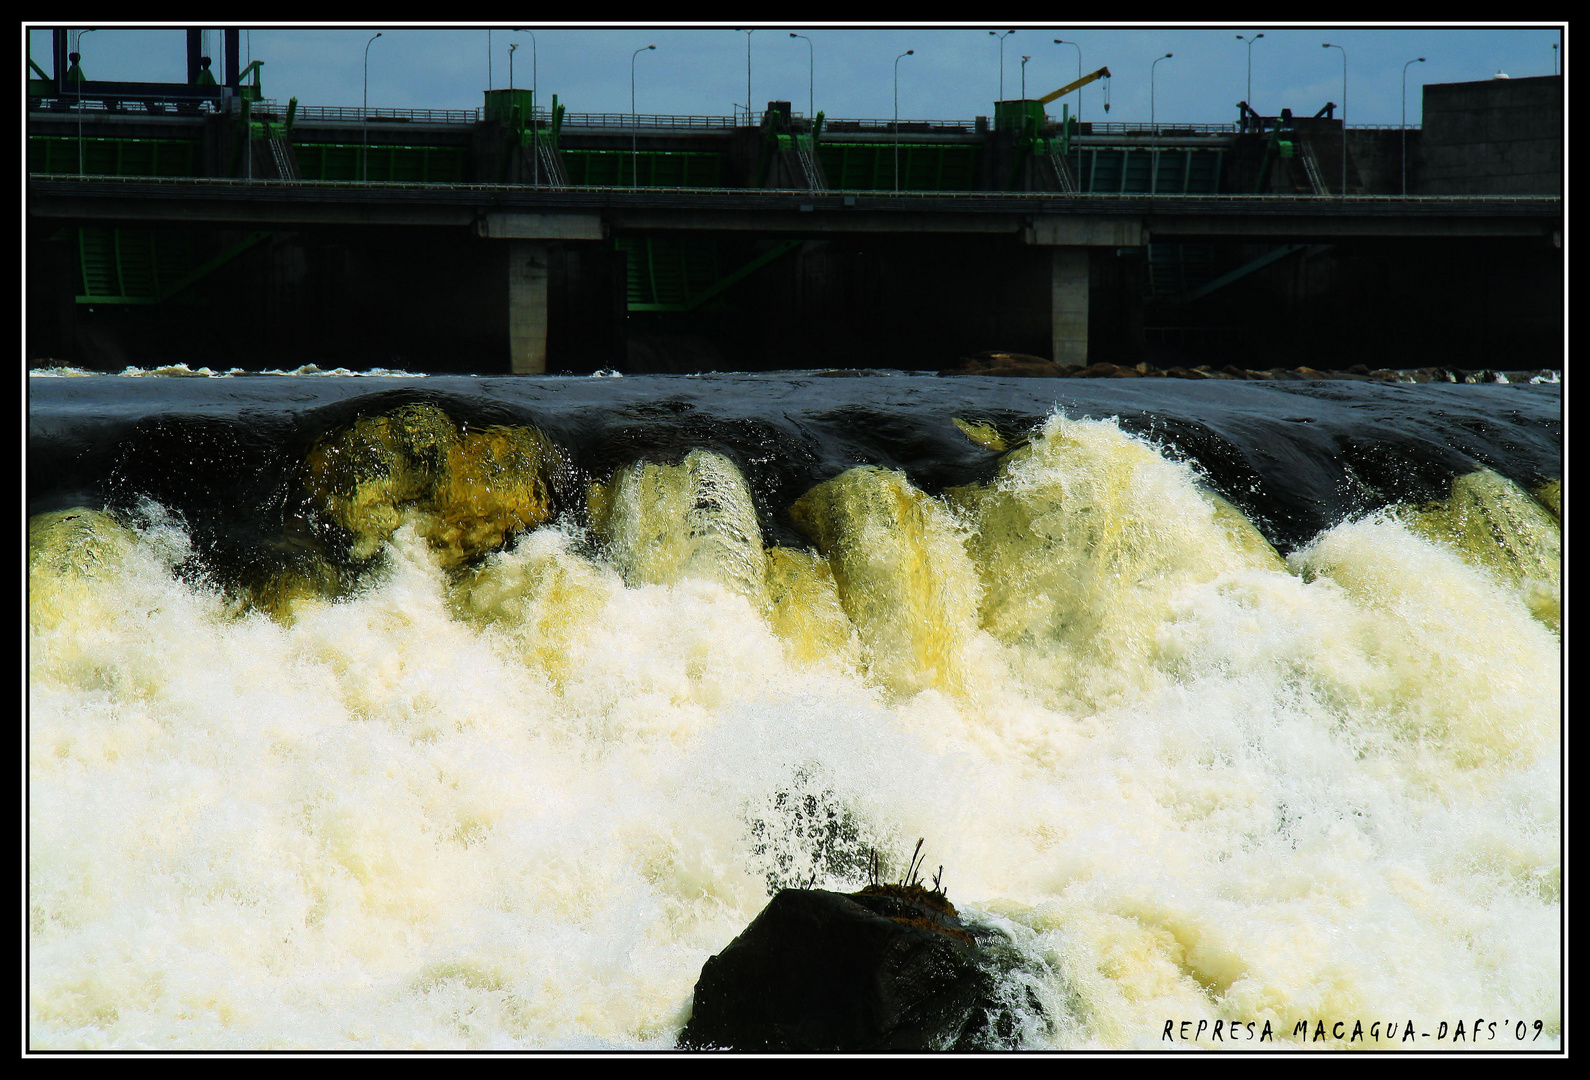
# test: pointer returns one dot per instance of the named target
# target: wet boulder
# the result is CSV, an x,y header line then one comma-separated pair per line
x,y
889,968
1020,365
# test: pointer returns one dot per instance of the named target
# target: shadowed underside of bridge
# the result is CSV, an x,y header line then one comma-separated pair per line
x,y
573,278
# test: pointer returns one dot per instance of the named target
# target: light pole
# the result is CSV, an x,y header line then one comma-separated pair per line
x,y
1250,41
511,48
1001,38
1420,60
748,34
1152,122
1328,45
491,83
364,118
535,97
811,54
1024,60
1078,48
634,153
77,59
897,59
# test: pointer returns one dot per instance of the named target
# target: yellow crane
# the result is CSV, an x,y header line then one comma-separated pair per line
x,y
1102,73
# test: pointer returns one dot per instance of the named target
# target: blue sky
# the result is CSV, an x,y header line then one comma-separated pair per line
x,y
954,73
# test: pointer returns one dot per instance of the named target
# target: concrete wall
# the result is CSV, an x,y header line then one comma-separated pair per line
x,y
1497,137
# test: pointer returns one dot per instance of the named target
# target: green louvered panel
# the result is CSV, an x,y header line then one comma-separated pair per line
x,y
666,272
616,168
120,264
923,167
407,164
111,157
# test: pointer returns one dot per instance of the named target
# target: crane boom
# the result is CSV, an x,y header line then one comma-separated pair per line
x,y
1102,73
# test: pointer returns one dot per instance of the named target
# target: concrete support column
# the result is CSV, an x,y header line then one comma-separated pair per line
x,y
1068,306
527,307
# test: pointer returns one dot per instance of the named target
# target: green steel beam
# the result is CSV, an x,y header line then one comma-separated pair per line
x,y
743,272
183,283
1242,271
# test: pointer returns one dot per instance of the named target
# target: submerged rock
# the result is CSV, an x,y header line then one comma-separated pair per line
x,y
1006,363
889,968
468,491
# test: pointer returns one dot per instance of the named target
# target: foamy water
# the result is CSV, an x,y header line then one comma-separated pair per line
x,y
519,806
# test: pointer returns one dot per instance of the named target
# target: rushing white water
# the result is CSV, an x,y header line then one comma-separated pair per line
x,y
520,807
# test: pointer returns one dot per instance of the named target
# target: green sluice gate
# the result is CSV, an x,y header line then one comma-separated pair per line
x,y
923,166
111,157
655,168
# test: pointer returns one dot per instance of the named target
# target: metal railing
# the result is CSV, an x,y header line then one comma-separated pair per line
x,y
355,114
643,120
1331,204
118,105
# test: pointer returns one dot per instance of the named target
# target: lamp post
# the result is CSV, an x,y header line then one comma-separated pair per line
x,y
897,59
1152,121
634,153
1250,42
748,113
1328,45
511,48
364,118
1024,60
1420,60
811,53
491,83
77,59
1001,38
535,97
1078,48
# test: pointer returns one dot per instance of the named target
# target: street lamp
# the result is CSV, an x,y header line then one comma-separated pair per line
x,y
1152,122
897,59
535,97
1001,38
1328,45
747,34
1024,60
1250,42
634,153
77,59
1420,60
511,48
1078,48
364,117
810,70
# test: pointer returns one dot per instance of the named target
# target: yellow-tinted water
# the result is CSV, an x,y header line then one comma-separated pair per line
x,y
518,801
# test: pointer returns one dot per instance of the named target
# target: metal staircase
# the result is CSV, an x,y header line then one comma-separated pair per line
x,y
282,157
1065,177
1316,180
812,172
553,174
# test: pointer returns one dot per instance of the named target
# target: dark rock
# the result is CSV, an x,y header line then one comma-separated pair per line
x,y
1235,372
889,968
1021,365
1358,369
1098,371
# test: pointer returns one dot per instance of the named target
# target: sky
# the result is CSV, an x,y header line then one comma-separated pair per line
x,y
848,71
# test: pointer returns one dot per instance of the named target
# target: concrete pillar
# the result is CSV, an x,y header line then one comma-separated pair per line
x,y
527,307
1068,306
